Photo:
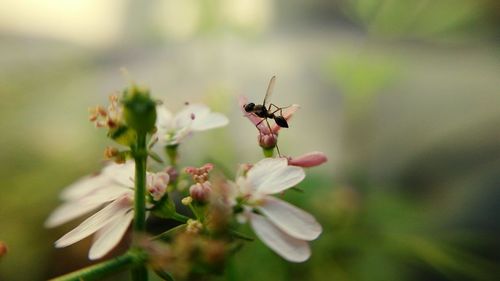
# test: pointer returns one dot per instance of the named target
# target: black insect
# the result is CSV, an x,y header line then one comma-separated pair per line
x,y
268,112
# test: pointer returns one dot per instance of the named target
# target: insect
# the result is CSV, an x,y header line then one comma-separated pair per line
x,y
269,112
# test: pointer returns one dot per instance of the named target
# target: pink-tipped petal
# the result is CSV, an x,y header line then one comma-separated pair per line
x,y
292,220
110,235
291,249
242,100
287,113
308,160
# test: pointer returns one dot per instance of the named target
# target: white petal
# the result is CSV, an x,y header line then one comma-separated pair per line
x,y
211,121
273,175
69,211
83,187
94,223
286,246
292,220
109,236
164,118
266,167
184,117
122,174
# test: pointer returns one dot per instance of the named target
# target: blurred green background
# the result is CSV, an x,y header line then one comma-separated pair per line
x,y
402,95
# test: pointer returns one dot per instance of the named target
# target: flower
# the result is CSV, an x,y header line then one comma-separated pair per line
x,y
113,190
287,113
268,135
201,189
281,226
195,117
308,160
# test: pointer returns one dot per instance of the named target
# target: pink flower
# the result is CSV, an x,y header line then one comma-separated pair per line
x,y
262,127
201,189
308,160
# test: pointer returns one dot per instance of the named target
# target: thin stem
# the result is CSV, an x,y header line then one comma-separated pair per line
x,y
139,272
140,156
103,269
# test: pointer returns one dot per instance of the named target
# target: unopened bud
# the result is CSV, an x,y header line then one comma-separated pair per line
x,y
3,249
187,200
172,172
268,141
200,191
139,109
311,159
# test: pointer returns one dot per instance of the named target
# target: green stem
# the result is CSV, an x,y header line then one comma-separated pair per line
x,y
139,272
104,269
180,218
268,152
140,156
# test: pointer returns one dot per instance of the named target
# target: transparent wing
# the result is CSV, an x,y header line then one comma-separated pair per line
x,y
269,91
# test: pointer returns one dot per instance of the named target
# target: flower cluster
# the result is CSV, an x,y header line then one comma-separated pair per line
x,y
128,191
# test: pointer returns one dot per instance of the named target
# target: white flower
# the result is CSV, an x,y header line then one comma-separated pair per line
x,y
113,190
195,117
281,226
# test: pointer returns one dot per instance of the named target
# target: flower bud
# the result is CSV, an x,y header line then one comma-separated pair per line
x,y
268,141
3,249
200,191
308,160
139,109
187,200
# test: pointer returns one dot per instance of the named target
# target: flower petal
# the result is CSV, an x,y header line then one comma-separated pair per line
x,y
292,220
110,235
210,121
273,175
84,186
69,211
308,160
164,118
95,222
242,100
184,118
286,246
287,114
122,174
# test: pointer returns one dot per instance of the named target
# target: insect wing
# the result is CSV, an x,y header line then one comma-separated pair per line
x,y
269,91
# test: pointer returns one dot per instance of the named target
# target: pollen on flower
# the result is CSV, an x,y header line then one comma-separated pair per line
x,y
107,118
200,175
194,226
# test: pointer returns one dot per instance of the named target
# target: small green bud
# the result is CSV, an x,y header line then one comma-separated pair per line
x,y
139,109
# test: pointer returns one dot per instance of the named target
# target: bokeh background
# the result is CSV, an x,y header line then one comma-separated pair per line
x,y
402,95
